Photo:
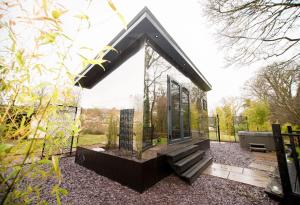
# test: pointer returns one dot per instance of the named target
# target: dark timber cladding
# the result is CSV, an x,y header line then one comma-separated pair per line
x,y
128,42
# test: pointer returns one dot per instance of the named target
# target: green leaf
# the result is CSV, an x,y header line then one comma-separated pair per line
x,y
55,94
30,111
41,129
13,39
55,164
5,148
57,197
56,14
44,161
23,121
19,58
48,38
63,191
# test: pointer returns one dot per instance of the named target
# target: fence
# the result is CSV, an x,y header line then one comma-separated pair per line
x,y
287,152
228,131
60,123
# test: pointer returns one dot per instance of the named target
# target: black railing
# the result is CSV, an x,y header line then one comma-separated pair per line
x,y
288,162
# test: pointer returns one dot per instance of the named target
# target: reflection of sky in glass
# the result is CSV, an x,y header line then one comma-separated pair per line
x,y
156,115
123,88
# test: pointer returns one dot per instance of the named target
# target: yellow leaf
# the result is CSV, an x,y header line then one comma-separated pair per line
x,y
56,14
109,48
112,6
48,37
106,48
19,58
45,6
84,17
121,17
55,164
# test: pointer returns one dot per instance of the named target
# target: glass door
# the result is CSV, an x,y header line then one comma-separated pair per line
x,y
179,111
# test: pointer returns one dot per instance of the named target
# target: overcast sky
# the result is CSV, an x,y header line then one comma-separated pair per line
x,y
186,23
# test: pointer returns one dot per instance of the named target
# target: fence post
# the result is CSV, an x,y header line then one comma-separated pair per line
x,y
44,144
218,127
233,124
281,158
247,124
294,152
76,109
71,144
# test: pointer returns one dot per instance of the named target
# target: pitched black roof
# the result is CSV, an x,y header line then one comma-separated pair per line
x,y
128,42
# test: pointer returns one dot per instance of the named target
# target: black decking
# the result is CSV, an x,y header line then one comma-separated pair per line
x,y
139,175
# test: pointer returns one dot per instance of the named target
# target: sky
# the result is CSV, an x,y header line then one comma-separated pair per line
x,y
186,23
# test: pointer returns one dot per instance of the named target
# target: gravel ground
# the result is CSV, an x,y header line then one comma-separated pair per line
x,y
230,154
86,187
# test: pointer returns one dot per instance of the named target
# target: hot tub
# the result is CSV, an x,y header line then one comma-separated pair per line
x,y
258,138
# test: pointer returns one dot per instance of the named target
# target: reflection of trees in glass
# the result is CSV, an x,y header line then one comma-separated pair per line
x,y
154,89
199,116
186,111
112,131
161,119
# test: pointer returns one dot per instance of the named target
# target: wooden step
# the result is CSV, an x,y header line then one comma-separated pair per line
x,y
193,172
257,145
260,149
185,163
181,153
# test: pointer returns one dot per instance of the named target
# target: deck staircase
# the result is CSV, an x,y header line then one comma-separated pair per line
x,y
188,162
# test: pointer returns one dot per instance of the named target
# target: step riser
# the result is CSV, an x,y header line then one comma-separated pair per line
x,y
257,145
258,149
180,169
183,154
195,176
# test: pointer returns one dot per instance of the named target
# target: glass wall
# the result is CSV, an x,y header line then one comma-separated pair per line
x,y
187,117
101,106
163,105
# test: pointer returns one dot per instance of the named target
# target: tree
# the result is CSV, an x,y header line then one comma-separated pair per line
x,y
227,112
278,85
35,55
257,113
155,68
257,29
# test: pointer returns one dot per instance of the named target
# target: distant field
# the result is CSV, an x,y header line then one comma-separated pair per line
x,y
89,139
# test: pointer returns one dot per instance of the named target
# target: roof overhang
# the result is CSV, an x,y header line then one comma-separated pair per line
x,y
143,27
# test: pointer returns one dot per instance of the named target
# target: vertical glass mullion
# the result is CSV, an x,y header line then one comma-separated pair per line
x,y
181,112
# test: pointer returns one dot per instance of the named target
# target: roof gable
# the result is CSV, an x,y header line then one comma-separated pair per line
x,y
128,42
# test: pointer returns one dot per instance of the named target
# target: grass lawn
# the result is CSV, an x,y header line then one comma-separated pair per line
x,y
163,140
89,139
86,139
